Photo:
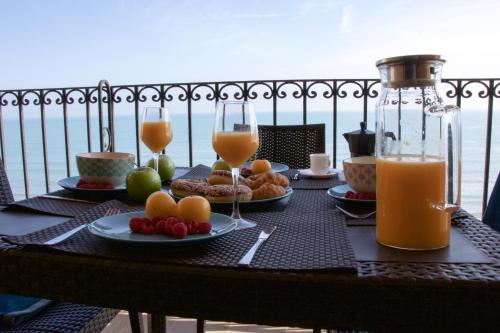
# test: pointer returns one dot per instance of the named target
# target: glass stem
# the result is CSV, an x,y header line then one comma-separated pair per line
x,y
155,161
236,208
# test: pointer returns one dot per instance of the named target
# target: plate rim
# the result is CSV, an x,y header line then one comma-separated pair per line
x,y
168,241
330,174
76,189
348,199
286,167
289,191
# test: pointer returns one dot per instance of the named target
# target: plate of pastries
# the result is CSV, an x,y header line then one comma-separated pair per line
x,y
217,188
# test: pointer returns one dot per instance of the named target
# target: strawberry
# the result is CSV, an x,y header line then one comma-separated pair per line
x,y
179,230
204,228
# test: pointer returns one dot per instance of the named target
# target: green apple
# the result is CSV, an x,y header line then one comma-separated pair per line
x,y
166,167
220,165
141,182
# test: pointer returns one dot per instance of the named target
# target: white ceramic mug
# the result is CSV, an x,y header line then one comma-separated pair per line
x,y
320,163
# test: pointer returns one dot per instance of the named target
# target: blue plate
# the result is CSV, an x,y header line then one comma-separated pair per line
x,y
70,185
276,167
338,192
115,227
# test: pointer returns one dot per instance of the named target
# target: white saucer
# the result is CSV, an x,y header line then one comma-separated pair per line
x,y
310,174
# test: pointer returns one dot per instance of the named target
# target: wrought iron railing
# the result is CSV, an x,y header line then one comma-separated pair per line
x,y
333,91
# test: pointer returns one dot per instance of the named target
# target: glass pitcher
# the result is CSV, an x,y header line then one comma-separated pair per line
x,y
418,148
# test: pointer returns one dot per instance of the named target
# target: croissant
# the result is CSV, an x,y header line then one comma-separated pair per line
x,y
257,181
268,191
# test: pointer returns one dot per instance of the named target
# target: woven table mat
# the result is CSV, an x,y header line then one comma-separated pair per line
x,y
310,201
301,242
307,183
352,222
273,206
55,206
196,172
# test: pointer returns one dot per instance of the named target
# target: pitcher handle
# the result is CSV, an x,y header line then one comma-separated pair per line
x,y
450,128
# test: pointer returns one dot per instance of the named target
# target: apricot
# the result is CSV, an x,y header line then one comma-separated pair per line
x,y
193,207
160,204
260,166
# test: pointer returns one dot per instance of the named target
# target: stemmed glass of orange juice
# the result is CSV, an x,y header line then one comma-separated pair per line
x,y
156,130
235,139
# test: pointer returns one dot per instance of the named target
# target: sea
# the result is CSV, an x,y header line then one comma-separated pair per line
x,y
473,146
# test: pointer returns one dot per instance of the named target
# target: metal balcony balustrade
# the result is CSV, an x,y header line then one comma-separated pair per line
x,y
106,97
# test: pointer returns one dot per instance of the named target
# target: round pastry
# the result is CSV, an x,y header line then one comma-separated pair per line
x,y
224,193
267,191
185,187
224,177
257,181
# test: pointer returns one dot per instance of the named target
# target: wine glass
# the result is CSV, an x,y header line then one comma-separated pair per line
x,y
235,139
156,130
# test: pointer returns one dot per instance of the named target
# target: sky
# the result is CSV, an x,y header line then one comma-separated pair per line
x,y
57,43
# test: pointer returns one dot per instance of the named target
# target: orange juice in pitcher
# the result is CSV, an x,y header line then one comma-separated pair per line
x,y
410,193
418,155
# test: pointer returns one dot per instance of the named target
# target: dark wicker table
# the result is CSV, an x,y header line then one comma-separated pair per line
x,y
382,297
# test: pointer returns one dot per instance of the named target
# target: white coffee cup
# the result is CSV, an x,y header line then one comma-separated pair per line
x,y
320,163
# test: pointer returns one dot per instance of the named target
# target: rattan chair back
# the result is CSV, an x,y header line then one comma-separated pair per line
x,y
6,196
290,144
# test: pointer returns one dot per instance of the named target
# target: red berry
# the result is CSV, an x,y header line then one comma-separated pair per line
x,y
149,230
172,219
146,221
192,227
246,171
179,230
362,196
167,229
157,219
349,194
160,227
169,223
109,187
204,228
136,224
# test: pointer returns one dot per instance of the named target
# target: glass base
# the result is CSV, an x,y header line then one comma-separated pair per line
x,y
244,224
